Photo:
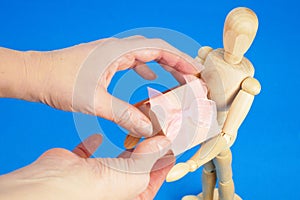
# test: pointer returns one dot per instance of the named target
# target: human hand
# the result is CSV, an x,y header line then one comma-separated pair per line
x,y
76,78
60,174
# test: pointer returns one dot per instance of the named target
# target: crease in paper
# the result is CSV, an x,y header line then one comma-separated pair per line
x,y
185,115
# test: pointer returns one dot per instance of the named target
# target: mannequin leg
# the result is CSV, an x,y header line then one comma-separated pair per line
x,y
208,183
208,180
224,174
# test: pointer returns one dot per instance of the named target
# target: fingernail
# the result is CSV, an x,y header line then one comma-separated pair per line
x,y
164,145
152,76
169,153
144,128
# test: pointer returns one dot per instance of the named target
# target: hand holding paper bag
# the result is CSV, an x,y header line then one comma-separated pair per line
x,y
185,115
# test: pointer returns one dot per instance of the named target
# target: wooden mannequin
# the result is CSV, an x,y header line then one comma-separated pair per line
x,y
228,75
229,78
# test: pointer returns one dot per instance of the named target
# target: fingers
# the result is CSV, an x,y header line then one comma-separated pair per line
x,y
149,151
157,177
175,59
126,154
124,114
130,173
142,159
88,146
164,53
146,50
177,75
120,178
180,62
144,71
128,52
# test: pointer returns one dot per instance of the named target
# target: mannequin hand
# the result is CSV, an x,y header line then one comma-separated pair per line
x,y
60,174
76,78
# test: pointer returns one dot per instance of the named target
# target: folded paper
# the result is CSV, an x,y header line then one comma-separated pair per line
x,y
185,115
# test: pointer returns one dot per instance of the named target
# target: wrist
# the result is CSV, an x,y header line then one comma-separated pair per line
x,y
37,66
11,73
21,74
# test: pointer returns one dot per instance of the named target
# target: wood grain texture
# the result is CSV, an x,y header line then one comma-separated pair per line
x,y
224,80
240,28
229,78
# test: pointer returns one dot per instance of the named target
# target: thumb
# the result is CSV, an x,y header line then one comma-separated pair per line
x,y
157,177
148,152
126,178
123,114
142,159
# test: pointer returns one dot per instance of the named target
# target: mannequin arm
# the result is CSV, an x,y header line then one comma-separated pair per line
x,y
240,108
202,54
210,149
236,115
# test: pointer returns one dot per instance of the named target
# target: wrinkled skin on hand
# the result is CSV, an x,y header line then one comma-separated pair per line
x,y
60,174
76,78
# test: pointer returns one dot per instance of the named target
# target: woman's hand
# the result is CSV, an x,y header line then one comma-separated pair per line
x,y
76,78
60,174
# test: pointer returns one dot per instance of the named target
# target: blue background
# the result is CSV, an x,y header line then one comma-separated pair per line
x,y
266,154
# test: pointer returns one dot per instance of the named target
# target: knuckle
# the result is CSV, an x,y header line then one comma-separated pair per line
x,y
140,36
159,41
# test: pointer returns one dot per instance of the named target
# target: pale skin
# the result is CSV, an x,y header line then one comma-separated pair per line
x,y
51,78
62,174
